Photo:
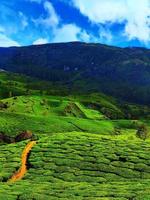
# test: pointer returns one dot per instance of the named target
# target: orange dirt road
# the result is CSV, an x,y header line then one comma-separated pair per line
x,y
23,169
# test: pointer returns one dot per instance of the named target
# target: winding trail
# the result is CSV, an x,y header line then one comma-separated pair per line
x,y
23,169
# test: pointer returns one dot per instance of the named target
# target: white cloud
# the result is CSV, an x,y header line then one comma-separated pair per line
x,y
7,42
40,41
138,25
105,35
24,20
134,13
51,20
84,36
71,32
66,33
60,32
100,11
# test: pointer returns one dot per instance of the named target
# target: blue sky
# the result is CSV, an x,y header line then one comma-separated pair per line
x,y
113,22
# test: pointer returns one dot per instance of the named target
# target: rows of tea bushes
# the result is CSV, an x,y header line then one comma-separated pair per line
x,y
79,165
88,166
10,159
82,156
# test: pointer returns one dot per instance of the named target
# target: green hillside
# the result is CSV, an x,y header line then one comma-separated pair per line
x,y
81,67
87,146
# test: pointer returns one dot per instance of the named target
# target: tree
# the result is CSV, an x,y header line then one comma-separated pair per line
x,y
142,132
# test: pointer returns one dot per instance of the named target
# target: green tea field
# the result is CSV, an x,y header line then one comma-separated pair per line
x,y
82,148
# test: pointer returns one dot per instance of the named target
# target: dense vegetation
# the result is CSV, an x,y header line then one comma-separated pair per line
x,y
91,147
80,165
120,72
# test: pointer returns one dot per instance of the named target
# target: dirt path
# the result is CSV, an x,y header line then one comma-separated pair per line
x,y
23,169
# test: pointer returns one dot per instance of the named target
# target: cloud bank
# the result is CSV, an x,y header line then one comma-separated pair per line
x,y
60,32
134,14
112,22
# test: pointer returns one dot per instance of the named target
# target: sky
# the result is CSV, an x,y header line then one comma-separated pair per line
x,y
113,22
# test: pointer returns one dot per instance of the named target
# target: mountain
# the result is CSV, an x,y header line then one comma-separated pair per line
x,y
61,140
85,68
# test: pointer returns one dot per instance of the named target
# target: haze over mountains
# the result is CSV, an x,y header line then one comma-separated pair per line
x,y
121,72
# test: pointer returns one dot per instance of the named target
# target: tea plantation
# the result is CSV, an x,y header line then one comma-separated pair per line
x,y
87,147
80,165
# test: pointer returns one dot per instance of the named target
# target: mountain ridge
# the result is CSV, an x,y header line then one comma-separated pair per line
x,y
79,42
121,72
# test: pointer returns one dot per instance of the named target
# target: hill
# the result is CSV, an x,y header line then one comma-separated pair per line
x,y
12,85
60,145
85,68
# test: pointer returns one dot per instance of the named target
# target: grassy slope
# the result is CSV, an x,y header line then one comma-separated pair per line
x,y
51,114
79,155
